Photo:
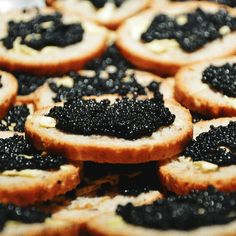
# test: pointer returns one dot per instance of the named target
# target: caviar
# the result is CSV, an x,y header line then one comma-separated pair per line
x,y
17,153
216,146
15,119
28,83
196,117
126,118
26,215
101,3
188,212
37,34
200,28
118,79
221,78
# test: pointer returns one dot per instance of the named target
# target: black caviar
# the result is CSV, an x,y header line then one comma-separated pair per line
x,y
118,79
42,31
221,78
200,28
26,215
28,83
217,146
17,153
126,118
198,209
15,119
101,3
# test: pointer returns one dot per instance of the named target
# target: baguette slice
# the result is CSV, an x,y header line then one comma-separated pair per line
x,y
181,175
170,59
165,143
44,95
29,186
51,227
8,92
198,96
113,225
109,15
52,60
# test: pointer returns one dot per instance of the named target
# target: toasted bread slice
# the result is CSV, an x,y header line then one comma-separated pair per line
x,y
113,225
8,91
197,96
109,15
51,60
181,175
164,143
44,95
51,227
31,185
168,59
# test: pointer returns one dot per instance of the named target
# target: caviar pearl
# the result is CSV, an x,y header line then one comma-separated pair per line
x,y
183,212
17,153
221,78
200,28
216,146
126,118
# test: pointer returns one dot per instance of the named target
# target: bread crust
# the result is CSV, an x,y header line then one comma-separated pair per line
x,y
8,92
42,185
112,150
180,176
60,60
113,225
170,62
191,92
51,228
44,95
87,11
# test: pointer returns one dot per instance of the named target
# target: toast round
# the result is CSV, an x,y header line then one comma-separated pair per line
x,y
181,175
8,92
51,227
52,60
170,59
44,95
112,225
28,186
109,18
197,96
165,143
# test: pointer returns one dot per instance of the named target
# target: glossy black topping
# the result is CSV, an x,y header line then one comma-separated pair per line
x,y
188,212
126,118
15,119
217,146
0,81
26,215
196,117
118,79
132,179
37,35
221,78
101,3
28,83
201,28
17,153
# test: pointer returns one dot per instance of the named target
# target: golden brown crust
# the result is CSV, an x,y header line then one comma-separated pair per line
x,y
181,176
72,57
113,225
112,150
168,64
90,13
8,92
199,97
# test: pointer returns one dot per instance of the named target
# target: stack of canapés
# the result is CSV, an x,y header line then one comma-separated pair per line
x,y
118,117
